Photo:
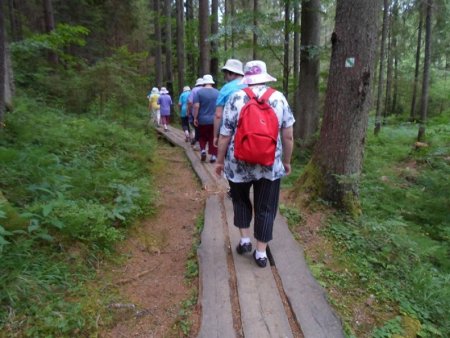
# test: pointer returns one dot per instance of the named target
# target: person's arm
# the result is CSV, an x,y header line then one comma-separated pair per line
x,y
222,147
217,121
287,140
196,108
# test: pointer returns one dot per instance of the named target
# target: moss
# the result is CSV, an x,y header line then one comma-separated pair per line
x,y
311,181
351,204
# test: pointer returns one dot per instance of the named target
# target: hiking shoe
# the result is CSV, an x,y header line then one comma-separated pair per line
x,y
203,156
186,139
193,142
261,262
243,248
213,159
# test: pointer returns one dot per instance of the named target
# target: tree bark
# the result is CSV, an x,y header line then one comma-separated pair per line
x,y
158,43
426,73
214,42
50,26
192,69
203,15
381,71
180,44
395,30
307,115
168,45
233,33
255,28
335,166
412,115
296,51
2,67
287,14
389,73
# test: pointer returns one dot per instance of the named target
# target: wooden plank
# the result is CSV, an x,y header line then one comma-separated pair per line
x,y
262,311
307,298
217,320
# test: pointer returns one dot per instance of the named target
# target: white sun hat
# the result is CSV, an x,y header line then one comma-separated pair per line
x,y
164,90
234,66
155,90
208,79
186,88
255,72
199,82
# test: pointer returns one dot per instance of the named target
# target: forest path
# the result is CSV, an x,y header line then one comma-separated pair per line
x,y
239,299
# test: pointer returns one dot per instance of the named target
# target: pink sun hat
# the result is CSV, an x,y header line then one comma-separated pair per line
x,y
255,72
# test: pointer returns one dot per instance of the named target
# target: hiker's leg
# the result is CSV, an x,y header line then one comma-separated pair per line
x,y
242,207
266,197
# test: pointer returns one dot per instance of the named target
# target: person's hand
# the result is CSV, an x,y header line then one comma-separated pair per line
x,y
287,168
216,141
219,169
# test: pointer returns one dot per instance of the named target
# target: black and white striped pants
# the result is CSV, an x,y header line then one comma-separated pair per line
x,y
265,198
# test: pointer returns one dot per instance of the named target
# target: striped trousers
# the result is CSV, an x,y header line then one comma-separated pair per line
x,y
265,199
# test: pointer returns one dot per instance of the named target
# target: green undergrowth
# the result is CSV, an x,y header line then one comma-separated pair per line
x,y
76,182
396,255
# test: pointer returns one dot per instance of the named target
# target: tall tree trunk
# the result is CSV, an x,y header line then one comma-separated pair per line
x,y
158,43
307,115
203,15
412,115
192,65
226,23
395,30
390,65
255,28
168,44
180,43
296,52
287,14
13,20
426,74
2,66
233,32
50,26
214,42
337,159
381,71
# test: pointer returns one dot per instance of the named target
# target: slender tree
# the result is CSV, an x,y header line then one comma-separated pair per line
x,y
203,16
335,166
49,26
412,115
168,44
296,51
192,69
426,73
381,65
180,43
233,32
158,43
214,41
2,66
395,24
307,114
389,73
255,28
287,21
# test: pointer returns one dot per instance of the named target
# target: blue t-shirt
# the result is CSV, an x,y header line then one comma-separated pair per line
x,y
206,97
182,101
228,89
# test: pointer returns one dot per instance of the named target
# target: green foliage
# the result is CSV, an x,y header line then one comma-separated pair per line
x,y
78,182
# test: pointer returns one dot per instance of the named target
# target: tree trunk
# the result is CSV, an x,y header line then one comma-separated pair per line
x,y
287,5
412,116
158,43
296,52
255,28
390,65
50,26
381,71
168,45
226,23
426,74
180,43
13,20
2,67
335,166
214,42
233,35
203,16
396,53
192,69
307,115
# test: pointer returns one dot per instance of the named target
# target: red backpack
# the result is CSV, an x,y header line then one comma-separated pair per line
x,y
256,136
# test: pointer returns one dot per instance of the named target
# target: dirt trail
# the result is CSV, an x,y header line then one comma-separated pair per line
x,y
153,278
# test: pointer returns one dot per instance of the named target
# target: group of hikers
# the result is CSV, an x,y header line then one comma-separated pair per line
x,y
247,128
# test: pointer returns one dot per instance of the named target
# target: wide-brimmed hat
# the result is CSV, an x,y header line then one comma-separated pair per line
x,y
155,90
234,66
255,72
164,90
208,79
186,88
199,82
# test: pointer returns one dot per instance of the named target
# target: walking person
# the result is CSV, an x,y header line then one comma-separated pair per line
x,y
182,104
204,110
153,107
165,101
242,175
233,73
197,87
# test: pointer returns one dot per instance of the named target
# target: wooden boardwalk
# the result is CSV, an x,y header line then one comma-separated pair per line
x,y
239,299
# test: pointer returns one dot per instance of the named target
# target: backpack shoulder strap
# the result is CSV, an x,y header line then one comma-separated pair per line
x,y
265,97
249,92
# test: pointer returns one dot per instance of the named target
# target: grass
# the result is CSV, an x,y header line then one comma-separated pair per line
x,y
76,183
398,251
